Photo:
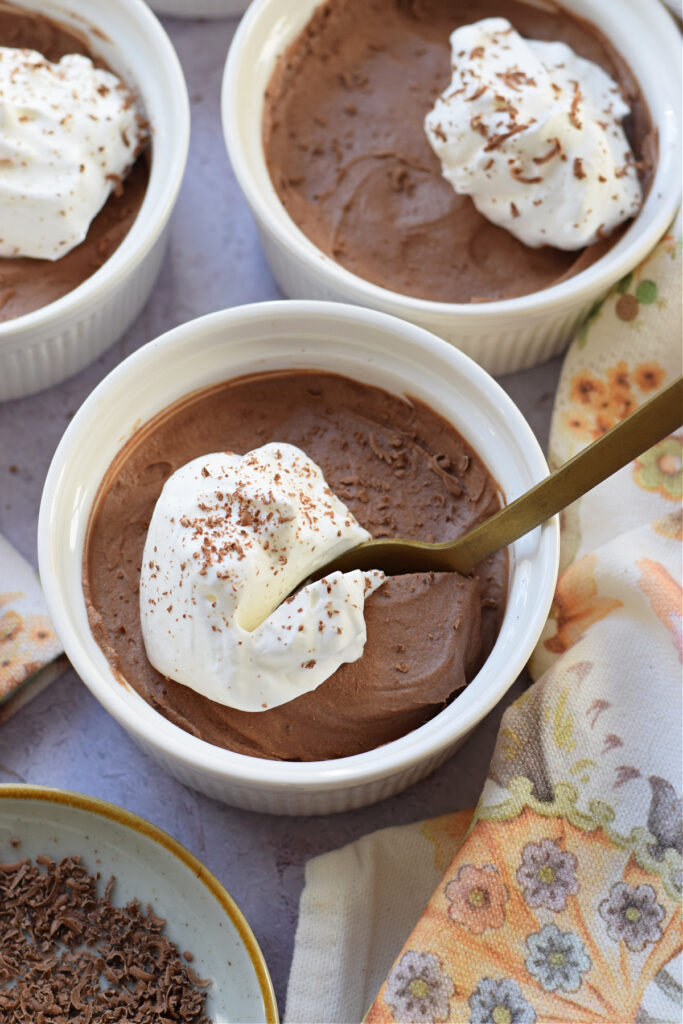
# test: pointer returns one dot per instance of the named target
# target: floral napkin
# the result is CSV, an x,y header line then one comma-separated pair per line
x,y
29,647
563,900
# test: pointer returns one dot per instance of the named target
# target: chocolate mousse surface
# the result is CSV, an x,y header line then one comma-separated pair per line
x,y
348,155
27,284
402,470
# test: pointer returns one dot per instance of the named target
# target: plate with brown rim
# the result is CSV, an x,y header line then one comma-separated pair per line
x,y
152,867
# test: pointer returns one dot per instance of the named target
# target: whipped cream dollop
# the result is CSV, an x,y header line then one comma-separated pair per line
x,y
230,537
68,134
533,133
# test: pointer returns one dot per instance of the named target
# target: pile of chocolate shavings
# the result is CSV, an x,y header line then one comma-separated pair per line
x,y
67,954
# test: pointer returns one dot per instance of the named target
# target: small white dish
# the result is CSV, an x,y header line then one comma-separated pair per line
x,y
375,349
151,866
502,336
44,347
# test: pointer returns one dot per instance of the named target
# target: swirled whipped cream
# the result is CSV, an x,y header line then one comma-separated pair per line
x,y
230,537
68,134
533,133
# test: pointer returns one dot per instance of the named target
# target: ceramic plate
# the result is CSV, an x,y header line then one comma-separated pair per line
x,y
153,867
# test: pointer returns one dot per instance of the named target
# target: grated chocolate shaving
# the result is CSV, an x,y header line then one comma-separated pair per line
x,y
519,175
574,109
579,171
556,148
514,78
475,95
477,125
499,139
69,955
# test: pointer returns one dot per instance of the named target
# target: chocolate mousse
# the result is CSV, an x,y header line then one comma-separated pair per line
x,y
348,155
27,284
401,470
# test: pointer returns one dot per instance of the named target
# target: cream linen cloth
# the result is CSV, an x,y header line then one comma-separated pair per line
x,y
29,647
563,901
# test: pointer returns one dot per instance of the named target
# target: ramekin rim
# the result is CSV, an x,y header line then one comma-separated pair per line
x,y
247,770
592,281
207,8
131,251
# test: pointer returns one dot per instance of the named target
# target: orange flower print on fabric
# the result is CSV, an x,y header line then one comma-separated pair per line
x,y
476,898
618,379
578,423
620,399
580,948
577,604
648,376
598,405
587,389
665,596
660,469
27,642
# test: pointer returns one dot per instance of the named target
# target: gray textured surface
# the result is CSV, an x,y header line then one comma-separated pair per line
x,y
64,738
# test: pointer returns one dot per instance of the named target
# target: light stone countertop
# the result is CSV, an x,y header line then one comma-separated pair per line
x,y
64,738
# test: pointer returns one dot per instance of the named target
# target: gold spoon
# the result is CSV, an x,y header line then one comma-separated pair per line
x,y
653,421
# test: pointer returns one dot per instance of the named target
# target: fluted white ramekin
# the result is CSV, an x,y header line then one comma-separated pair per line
x,y
49,344
199,8
368,346
502,336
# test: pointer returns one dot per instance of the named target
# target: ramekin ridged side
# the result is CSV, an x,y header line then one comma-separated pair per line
x,y
53,355
502,336
42,348
334,337
297,802
499,344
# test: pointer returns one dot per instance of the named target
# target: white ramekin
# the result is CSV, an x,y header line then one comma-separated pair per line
x,y
199,8
503,336
370,347
46,346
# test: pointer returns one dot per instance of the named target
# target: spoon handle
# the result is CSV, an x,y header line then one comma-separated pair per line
x,y
653,421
